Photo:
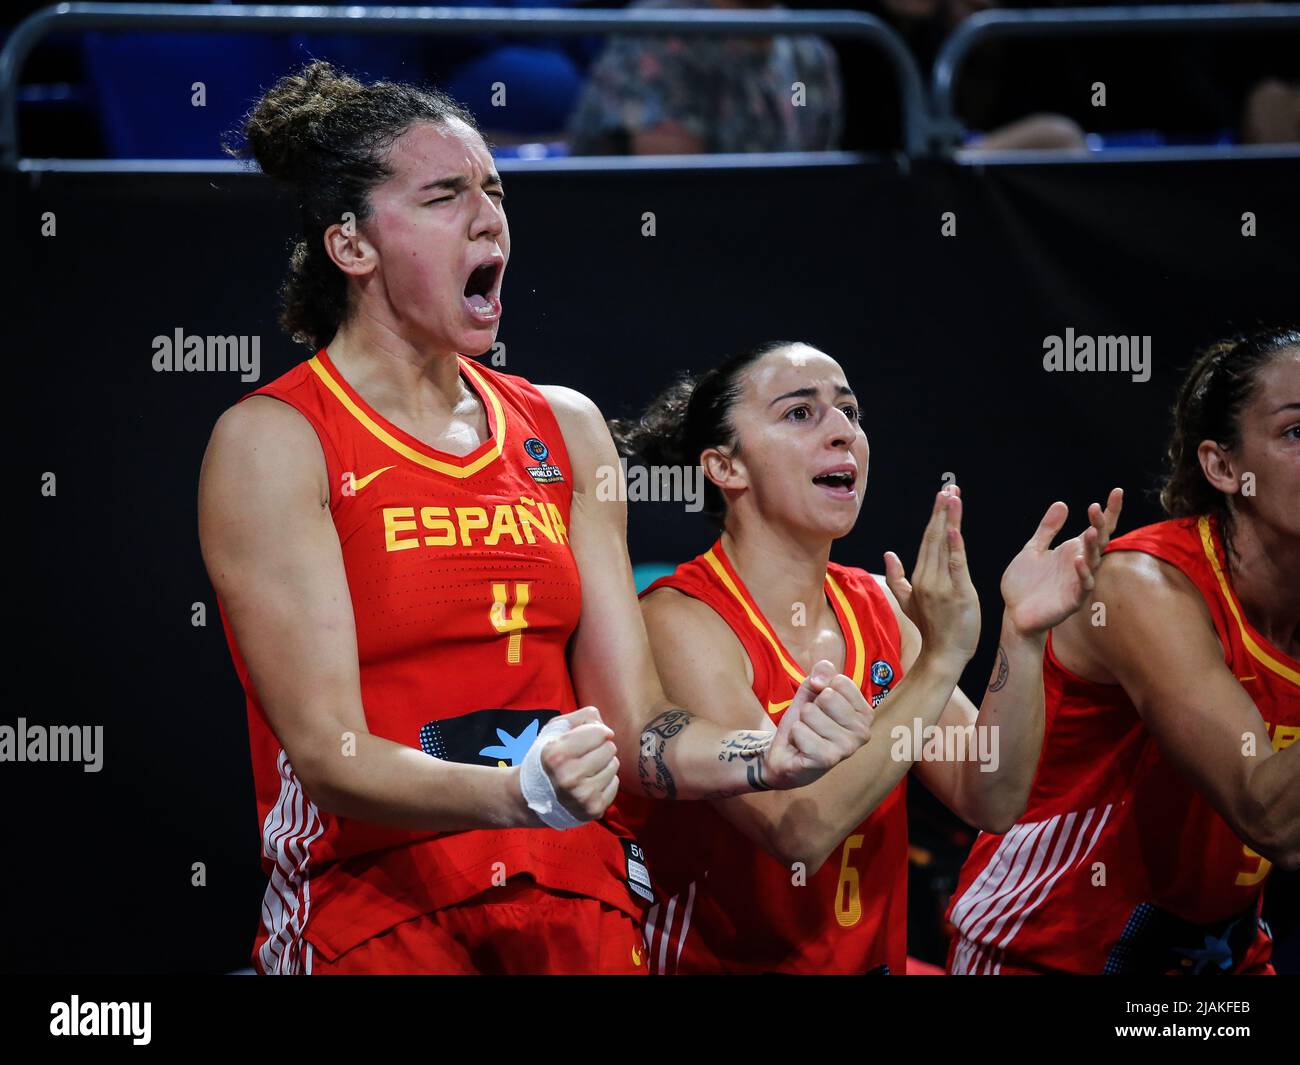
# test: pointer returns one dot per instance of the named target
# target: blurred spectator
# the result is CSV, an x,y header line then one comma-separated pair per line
x,y
657,95
1272,113
538,90
1033,132
1160,88
925,24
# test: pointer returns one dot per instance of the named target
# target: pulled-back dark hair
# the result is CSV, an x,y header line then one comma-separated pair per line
x,y
690,416
326,135
1220,384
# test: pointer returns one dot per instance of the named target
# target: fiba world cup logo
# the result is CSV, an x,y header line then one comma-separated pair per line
x,y
881,673
544,472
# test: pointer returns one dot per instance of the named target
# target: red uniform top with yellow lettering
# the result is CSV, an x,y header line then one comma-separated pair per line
x,y
1119,864
465,593
723,904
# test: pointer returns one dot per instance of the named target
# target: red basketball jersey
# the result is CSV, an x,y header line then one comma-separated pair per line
x,y
465,594
1119,865
724,905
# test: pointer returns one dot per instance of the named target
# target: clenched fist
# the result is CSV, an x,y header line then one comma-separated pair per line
x,y
828,721
582,765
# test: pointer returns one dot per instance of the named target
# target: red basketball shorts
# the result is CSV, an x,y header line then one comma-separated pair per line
x,y
519,928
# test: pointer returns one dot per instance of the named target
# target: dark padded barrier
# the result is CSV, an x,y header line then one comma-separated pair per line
x,y
941,337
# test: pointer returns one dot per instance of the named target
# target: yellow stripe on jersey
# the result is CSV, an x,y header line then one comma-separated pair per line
x,y
854,634
755,619
1257,652
451,469
859,653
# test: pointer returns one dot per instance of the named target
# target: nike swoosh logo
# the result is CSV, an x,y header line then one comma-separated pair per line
x,y
357,485
776,708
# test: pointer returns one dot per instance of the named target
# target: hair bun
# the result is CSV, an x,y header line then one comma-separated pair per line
x,y
282,131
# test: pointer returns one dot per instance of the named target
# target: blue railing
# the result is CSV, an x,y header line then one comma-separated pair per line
x,y
990,26
930,124
445,20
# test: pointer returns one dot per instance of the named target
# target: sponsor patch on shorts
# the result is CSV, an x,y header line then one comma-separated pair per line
x,y
638,874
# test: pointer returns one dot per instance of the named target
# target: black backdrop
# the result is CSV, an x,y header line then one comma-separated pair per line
x,y
941,337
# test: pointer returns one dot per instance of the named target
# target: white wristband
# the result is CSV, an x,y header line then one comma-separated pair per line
x,y
538,791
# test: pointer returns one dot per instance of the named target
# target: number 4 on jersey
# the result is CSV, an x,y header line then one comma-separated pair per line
x,y
511,624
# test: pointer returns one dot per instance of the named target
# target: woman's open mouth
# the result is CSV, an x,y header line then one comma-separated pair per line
x,y
838,482
482,299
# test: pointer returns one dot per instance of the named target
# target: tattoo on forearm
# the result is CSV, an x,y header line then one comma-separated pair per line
x,y
755,780
749,747
1003,671
654,741
745,745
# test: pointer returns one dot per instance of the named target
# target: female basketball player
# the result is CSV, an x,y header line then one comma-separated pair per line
x,y
816,880
1168,784
410,562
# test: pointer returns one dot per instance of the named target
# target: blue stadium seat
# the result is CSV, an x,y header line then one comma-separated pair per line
x,y
541,88
141,85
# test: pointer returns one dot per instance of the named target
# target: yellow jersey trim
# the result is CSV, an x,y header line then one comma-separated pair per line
x,y
1256,652
755,618
760,624
451,469
855,633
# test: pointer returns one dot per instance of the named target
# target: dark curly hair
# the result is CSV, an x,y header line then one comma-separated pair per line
x,y
690,416
1219,385
326,135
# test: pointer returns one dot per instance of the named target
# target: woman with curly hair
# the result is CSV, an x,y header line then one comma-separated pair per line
x,y
431,611
1169,783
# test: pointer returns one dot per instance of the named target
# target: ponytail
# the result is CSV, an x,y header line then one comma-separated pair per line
x,y
1218,387
689,417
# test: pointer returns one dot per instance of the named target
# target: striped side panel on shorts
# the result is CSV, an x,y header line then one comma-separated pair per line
x,y
292,825
664,953
1028,862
